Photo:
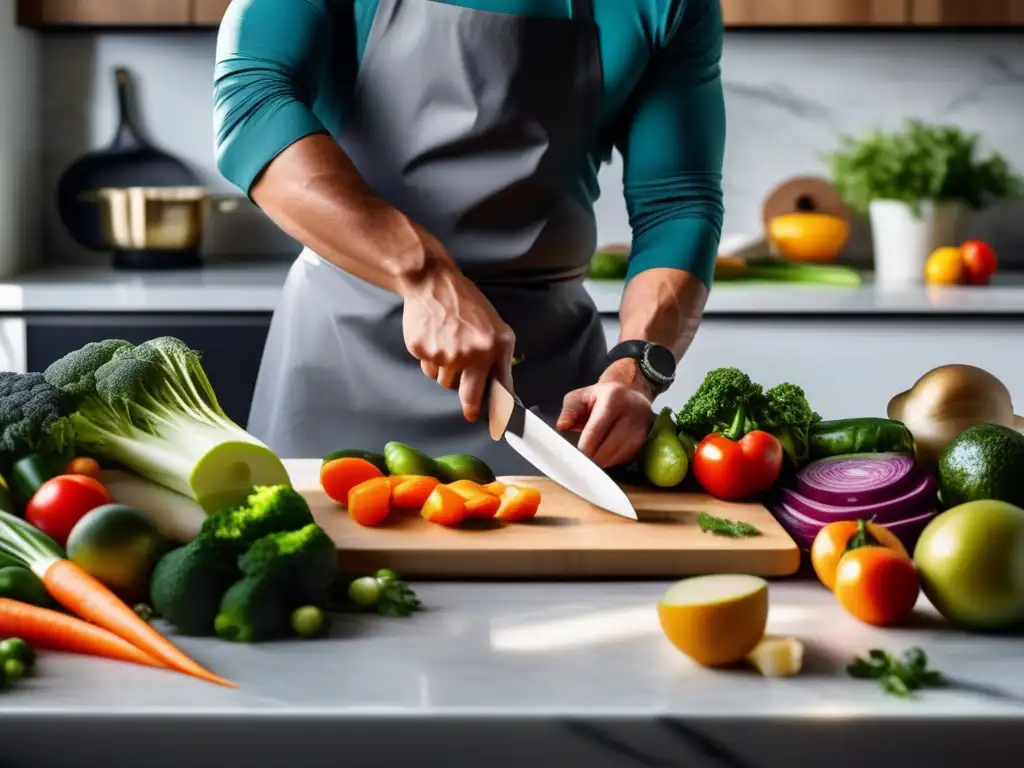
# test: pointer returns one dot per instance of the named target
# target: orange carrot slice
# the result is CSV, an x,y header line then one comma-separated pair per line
x,y
497,488
479,502
444,507
397,480
370,502
86,597
518,503
57,631
413,493
340,476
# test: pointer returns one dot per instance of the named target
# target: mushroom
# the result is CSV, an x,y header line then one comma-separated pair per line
x,y
946,401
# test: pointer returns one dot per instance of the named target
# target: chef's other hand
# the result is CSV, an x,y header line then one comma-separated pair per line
x,y
613,418
457,335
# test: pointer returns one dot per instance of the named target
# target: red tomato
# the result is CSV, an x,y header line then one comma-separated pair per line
x,y
62,501
877,585
979,262
737,469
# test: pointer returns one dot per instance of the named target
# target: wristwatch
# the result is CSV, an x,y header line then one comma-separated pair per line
x,y
656,363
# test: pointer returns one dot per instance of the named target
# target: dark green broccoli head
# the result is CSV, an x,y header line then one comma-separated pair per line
x,y
252,610
74,374
789,416
188,582
125,380
727,402
32,416
267,510
303,562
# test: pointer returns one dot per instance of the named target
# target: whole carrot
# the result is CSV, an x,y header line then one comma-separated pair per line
x,y
86,597
82,594
59,632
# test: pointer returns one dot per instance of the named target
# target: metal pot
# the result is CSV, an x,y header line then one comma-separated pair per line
x,y
156,218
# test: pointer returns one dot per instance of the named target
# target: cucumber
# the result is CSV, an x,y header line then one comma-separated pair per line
x,y
865,435
377,459
29,473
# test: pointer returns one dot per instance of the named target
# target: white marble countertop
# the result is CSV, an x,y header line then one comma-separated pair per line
x,y
580,670
251,287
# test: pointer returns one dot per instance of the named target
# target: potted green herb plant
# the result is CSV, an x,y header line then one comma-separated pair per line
x,y
914,185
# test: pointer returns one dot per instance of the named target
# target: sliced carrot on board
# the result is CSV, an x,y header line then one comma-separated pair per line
x,y
480,503
518,503
444,507
56,631
340,476
413,493
370,502
497,488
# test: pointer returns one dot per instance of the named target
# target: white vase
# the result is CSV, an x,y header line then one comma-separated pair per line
x,y
902,241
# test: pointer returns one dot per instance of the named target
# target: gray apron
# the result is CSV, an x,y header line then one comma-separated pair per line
x,y
468,122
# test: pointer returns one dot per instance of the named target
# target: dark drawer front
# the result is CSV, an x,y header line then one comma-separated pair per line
x,y
232,345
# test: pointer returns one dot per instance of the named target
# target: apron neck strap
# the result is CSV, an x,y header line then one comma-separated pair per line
x,y
583,10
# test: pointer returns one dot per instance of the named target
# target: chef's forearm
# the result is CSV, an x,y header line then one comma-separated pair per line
x,y
314,192
663,306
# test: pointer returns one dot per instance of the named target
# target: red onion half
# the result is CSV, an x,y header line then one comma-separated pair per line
x,y
858,479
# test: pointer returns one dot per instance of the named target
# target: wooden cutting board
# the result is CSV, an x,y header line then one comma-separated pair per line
x,y
569,539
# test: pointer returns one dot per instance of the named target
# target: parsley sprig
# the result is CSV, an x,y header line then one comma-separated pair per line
x,y
900,677
722,527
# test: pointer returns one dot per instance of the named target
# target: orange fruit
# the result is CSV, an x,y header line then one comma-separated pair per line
x,y
945,266
717,619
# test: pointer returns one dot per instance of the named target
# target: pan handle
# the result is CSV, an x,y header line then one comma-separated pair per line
x,y
128,135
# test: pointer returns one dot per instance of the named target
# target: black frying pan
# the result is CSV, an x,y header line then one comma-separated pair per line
x,y
129,161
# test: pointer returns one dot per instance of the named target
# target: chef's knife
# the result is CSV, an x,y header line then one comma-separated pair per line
x,y
552,454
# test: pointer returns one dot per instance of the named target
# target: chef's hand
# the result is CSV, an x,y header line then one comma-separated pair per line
x,y
457,335
613,416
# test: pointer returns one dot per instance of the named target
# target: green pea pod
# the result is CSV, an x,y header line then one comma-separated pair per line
x,y
865,435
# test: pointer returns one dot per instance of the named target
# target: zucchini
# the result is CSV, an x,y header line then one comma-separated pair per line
x,y
842,437
29,473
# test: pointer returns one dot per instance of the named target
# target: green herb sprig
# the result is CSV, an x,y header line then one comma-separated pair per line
x,y
722,527
899,677
920,162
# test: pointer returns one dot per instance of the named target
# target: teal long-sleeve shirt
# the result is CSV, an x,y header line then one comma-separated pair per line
x,y
285,70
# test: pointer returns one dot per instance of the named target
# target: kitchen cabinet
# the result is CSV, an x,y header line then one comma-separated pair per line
x,y
848,367
208,12
771,13
232,345
46,13
968,13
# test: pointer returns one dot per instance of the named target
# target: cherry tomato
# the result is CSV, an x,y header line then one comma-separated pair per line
x,y
83,465
835,539
876,585
979,262
62,501
737,469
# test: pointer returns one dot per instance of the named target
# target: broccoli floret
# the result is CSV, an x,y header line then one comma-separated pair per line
x,y
788,416
266,511
151,408
75,373
281,571
188,583
727,402
304,563
33,417
252,610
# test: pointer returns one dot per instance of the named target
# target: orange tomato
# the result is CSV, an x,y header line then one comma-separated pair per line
x,y
979,262
83,465
945,267
835,539
876,585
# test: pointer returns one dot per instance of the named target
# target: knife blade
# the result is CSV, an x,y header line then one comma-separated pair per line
x,y
553,455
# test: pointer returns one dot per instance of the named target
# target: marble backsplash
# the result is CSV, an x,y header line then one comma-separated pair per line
x,y
789,96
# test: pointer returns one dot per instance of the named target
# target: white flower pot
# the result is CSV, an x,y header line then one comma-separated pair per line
x,y
902,241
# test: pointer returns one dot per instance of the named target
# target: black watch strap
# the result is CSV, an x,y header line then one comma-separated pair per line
x,y
656,363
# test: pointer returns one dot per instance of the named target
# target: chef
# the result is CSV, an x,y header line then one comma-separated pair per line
x,y
438,160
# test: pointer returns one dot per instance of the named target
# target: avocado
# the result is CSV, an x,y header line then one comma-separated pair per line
x,y
403,459
985,461
377,459
462,466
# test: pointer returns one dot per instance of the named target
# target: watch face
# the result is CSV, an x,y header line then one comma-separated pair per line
x,y
662,361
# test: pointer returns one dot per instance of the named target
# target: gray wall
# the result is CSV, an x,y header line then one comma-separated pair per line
x,y
789,96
